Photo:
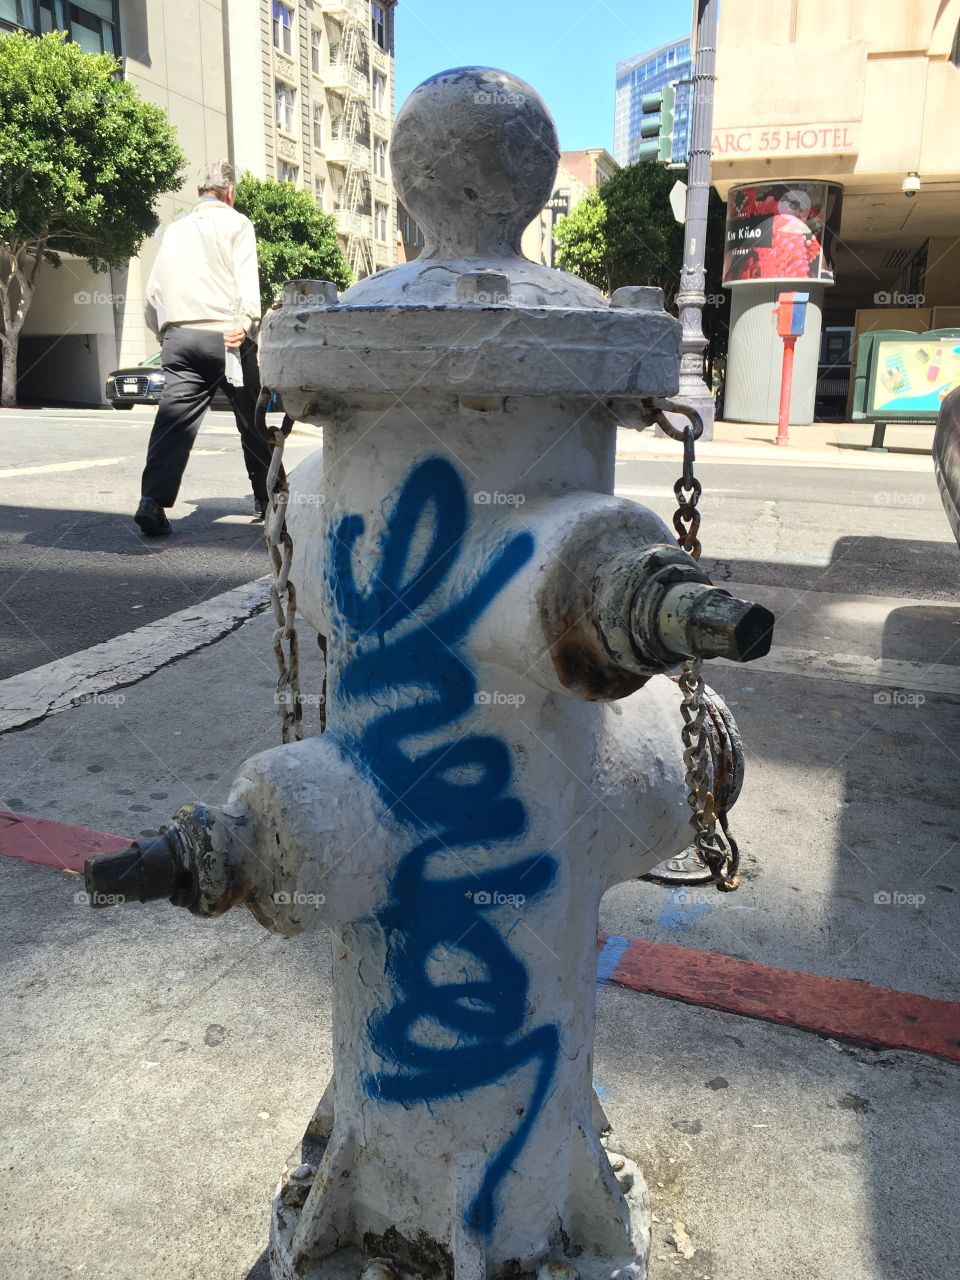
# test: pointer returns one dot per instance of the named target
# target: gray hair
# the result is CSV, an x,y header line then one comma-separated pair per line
x,y
217,177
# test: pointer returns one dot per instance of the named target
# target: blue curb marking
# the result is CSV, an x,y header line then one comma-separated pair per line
x,y
609,957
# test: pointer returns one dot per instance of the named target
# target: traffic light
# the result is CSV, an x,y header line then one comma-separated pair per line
x,y
656,125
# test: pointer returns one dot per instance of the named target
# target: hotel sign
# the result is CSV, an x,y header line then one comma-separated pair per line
x,y
837,139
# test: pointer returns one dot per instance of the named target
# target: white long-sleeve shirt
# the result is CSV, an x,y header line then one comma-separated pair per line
x,y
205,273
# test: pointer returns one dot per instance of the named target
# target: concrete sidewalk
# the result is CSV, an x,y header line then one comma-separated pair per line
x,y
161,1068
832,444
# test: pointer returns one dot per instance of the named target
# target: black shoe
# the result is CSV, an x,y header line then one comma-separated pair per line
x,y
259,510
152,518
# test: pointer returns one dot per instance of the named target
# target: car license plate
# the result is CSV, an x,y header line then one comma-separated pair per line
x,y
130,385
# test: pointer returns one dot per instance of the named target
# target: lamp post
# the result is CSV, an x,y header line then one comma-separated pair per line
x,y
691,297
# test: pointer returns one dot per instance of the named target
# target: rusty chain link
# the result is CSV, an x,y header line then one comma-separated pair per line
x,y
283,593
719,852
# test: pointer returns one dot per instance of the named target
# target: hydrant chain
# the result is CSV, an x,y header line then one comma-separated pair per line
x,y
283,594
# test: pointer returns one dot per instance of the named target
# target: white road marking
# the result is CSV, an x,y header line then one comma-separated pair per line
x,y
885,674
56,686
49,468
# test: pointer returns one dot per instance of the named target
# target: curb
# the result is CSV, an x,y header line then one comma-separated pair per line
x,y
837,1008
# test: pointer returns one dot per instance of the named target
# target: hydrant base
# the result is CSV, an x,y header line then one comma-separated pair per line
x,y
394,1256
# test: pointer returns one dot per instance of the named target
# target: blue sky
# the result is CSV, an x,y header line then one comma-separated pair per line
x,y
567,49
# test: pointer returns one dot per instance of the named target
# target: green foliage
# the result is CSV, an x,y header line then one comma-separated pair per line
x,y
82,157
295,239
625,233
581,241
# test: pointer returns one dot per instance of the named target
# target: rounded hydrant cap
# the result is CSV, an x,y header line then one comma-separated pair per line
x,y
474,158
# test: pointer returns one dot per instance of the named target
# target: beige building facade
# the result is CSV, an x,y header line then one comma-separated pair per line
x,y
865,95
312,101
302,91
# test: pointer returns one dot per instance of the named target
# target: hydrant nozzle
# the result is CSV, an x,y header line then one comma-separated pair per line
x,y
656,607
187,864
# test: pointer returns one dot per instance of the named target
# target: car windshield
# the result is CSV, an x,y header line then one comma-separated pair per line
x,y
153,361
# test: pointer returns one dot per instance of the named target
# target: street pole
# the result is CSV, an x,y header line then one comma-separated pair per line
x,y
786,391
691,297
688,867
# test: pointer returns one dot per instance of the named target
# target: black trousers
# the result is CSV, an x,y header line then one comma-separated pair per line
x,y
193,364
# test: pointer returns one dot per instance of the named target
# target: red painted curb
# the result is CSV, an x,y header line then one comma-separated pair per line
x,y
834,1007
53,844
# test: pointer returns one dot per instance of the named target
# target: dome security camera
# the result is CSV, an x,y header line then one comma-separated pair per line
x,y
911,185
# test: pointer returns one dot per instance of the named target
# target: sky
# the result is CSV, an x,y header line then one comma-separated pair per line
x,y
566,49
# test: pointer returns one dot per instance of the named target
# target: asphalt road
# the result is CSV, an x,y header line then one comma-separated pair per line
x,y
75,570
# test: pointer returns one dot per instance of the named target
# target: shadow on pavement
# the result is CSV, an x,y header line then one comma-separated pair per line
x,y
78,578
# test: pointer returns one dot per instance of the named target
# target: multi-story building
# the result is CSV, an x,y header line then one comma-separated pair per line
x,y
312,103
301,90
829,134
643,74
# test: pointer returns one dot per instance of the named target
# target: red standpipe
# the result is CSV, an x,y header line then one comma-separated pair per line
x,y
786,389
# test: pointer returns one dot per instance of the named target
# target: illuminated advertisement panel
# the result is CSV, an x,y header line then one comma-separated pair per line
x,y
781,231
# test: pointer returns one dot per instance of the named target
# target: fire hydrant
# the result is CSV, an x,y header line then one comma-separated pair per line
x,y
502,745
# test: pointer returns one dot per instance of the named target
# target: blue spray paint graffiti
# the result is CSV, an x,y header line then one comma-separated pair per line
x,y
455,795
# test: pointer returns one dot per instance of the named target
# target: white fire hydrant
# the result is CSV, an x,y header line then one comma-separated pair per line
x,y
500,748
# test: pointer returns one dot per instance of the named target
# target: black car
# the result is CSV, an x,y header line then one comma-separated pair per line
x,y
141,384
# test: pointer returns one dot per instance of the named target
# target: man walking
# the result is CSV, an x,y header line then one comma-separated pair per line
x,y
203,302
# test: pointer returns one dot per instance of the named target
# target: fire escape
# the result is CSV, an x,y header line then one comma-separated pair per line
x,y
349,77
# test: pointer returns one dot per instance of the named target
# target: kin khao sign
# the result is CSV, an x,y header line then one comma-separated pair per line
x,y
781,231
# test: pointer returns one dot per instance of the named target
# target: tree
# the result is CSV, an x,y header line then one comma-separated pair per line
x,y
295,239
82,162
625,233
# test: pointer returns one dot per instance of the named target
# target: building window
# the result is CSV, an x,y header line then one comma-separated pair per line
x,y
316,50
318,126
282,28
319,189
382,214
286,107
287,172
379,157
19,13
379,92
379,24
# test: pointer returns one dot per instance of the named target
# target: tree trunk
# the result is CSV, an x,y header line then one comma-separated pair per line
x,y
16,294
8,381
